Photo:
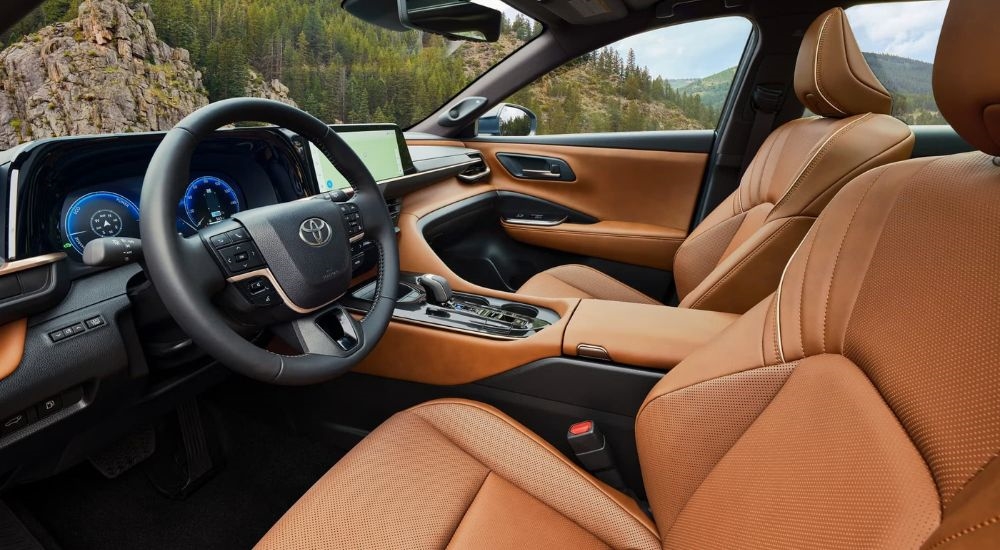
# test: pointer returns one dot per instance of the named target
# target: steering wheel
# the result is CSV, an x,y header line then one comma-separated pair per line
x,y
283,266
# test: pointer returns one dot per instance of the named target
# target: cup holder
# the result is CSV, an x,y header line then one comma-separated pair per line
x,y
521,309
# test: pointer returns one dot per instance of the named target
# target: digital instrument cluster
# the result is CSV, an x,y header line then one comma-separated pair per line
x,y
92,215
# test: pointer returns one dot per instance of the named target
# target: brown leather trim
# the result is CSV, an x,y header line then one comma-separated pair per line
x,y
12,346
433,356
642,335
437,196
969,98
652,187
631,243
443,142
832,77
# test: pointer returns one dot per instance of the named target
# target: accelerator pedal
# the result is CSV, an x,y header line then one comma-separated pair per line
x,y
188,457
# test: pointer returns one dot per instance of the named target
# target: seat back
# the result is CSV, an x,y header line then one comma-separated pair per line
x,y
734,258
858,406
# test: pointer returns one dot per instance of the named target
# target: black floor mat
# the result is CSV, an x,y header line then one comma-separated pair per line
x,y
267,468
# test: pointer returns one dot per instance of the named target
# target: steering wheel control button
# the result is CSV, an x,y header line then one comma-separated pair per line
x,y
241,257
238,235
315,232
259,292
265,299
257,285
221,240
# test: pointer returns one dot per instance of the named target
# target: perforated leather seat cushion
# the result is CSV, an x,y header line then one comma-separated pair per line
x,y
459,474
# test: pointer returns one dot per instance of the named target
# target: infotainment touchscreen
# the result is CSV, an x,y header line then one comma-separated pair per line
x,y
380,146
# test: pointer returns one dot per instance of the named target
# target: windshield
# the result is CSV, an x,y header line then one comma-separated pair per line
x,y
77,67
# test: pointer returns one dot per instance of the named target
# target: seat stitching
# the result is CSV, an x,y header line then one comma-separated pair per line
x,y
895,200
820,153
850,67
794,366
475,497
624,286
966,531
573,467
802,291
740,264
816,63
858,172
840,249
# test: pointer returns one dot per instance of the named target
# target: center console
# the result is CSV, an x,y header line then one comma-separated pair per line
x,y
428,300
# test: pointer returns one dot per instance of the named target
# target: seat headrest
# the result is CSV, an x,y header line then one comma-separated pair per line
x,y
832,78
966,81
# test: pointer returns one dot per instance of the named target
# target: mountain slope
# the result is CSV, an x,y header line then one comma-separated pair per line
x,y
712,89
908,80
103,71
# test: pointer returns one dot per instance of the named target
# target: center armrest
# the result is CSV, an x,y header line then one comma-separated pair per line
x,y
641,335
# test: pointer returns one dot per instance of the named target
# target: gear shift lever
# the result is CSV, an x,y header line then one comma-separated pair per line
x,y
437,287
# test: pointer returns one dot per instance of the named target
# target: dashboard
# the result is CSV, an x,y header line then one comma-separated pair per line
x,y
98,339
80,189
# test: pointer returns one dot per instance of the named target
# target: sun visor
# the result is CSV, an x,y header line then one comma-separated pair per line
x,y
587,12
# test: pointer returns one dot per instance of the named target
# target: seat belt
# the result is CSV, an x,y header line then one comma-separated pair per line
x,y
766,103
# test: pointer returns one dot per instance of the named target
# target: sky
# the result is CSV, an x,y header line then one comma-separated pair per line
x,y
702,48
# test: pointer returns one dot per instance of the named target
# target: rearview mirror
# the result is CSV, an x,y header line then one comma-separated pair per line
x,y
453,19
507,119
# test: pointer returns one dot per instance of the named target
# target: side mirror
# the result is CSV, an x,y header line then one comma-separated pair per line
x,y
453,19
507,119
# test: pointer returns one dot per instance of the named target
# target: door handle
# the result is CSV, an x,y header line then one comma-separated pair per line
x,y
534,167
541,174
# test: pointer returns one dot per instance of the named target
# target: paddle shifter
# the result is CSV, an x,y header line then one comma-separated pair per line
x,y
437,287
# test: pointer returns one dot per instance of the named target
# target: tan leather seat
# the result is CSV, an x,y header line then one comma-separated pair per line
x,y
733,259
856,407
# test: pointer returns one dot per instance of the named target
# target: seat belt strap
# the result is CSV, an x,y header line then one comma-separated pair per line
x,y
766,102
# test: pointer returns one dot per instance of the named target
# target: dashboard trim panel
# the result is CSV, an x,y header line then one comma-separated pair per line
x,y
15,175
31,263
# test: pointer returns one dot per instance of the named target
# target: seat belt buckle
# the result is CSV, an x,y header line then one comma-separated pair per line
x,y
590,446
593,453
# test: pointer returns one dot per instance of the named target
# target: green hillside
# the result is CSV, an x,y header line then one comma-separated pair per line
x,y
604,92
909,82
712,90
344,69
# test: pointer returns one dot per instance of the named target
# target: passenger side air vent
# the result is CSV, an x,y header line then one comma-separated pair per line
x,y
476,172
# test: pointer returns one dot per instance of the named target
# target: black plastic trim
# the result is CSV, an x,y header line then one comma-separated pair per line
x,y
598,386
932,141
511,205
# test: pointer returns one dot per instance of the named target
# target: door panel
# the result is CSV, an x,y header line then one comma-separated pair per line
x,y
640,244
642,200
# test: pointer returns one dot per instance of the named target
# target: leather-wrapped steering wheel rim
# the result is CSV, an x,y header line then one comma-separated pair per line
x,y
187,276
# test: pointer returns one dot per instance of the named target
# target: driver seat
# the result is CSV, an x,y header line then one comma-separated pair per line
x,y
857,407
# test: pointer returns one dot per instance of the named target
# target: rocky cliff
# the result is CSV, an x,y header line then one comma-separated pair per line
x,y
105,71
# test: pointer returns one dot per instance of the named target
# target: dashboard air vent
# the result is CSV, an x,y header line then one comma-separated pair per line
x,y
476,172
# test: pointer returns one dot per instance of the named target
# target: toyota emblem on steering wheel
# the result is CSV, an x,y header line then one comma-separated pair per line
x,y
315,232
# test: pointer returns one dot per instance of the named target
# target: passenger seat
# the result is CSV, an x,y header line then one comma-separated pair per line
x,y
735,257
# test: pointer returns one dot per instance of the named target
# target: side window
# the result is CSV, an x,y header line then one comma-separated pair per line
x,y
672,78
899,41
